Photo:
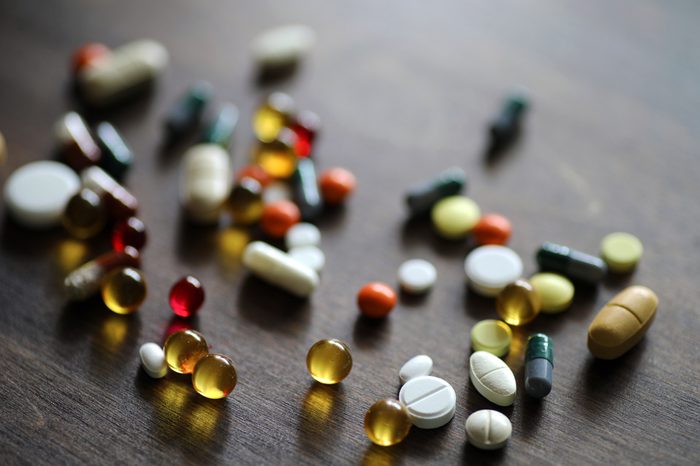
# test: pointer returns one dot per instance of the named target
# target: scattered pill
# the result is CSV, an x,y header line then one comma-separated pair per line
x,y
555,291
574,264
387,422
117,158
492,229
493,336
303,234
153,360
622,322
187,111
84,215
220,130
518,303
455,216
37,193
492,378
246,201
283,45
87,54
129,232
186,296
415,367
205,183
430,401
310,256
119,202
305,189
272,116
76,144
124,290
214,376
306,125
376,300
539,360
86,279
417,276
421,198
278,217
329,361
336,185
488,429
621,251
257,173
277,191
183,349
505,129
490,268
277,268
277,157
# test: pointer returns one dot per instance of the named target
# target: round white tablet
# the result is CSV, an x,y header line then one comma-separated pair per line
x,y
488,429
430,401
311,256
153,360
303,234
417,276
415,367
490,268
37,192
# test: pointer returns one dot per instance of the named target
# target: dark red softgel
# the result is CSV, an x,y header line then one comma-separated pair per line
x,y
186,296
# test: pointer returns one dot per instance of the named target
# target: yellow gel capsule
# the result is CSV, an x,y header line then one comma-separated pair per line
x,y
518,303
329,361
184,349
621,251
387,422
278,157
272,116
493,336
214,376
455,216
123,290
84,215
556,291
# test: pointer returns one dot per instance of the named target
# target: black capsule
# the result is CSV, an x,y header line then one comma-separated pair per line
x,y
574,264
305,189
187,111
117,158
221,129
420,199
505,129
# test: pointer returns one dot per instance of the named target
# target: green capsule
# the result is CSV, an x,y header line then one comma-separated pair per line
x,y
422,198
574,264
117,158
220,131
187,111
539,345
305,188
539,363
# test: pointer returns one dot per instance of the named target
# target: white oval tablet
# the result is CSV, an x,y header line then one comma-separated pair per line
x,y
303,234
283,45
490,268
37,193
430,401
417,276
492,378
310,256
153,360
415,367
488,429
275,266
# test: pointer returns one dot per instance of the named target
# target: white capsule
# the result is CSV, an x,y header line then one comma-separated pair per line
x,y
276,267
311,256
492,378
282,45
124,71
416,366
153,360
205,182
488,429
303,234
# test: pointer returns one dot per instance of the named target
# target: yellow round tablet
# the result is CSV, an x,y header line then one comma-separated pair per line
x,y
556,292
493,336
455,216
621,251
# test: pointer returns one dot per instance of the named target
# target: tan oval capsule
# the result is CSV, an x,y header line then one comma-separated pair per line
x,y
205,182
622,322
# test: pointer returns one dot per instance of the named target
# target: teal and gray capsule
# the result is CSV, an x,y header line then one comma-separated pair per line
x,y
539,362
187,111
117,158
420,199
305,189
220,130
574,264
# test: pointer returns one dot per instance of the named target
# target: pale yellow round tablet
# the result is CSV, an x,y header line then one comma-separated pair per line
x,y
621,251
493,336
455,216
556,292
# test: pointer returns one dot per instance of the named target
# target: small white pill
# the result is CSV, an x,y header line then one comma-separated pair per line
x,y
417,276
205,182
415,367
153,360
310,256
283,45
488,429
430,401
492,378
277,191
303,234
37,193
276,267
490,268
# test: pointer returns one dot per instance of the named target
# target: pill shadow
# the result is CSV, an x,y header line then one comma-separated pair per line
x,y
618,281
268,76
368,333
495,156
195,244
270,307
17,240
412,299
332,217
178,324
477,306
531,415
418,230
132,107
321,405
421,444
375,455
474,455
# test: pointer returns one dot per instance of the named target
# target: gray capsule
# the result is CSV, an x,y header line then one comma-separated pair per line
x,y
420,199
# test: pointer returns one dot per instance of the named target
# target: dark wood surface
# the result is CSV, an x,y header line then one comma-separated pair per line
x,y
404,90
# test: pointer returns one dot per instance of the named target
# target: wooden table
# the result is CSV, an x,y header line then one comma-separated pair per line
x,y
404,90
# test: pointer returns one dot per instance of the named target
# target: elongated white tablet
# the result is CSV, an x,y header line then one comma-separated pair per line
x,y
153,360
205,182
277,268
417,276
37,193
302,234
430,401
283,45
488,429
492,378
490,268
311,256
415,367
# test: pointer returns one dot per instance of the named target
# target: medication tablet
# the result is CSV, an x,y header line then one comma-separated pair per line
x,y
37,193
490,268
415,367
275,266
283,45
303,234
455,216
555,291
488,429
621,251
310,256
277,191
153,360
492,378
417,276
430,401
493,336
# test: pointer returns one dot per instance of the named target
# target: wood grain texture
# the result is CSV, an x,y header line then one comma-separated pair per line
x,y
404,90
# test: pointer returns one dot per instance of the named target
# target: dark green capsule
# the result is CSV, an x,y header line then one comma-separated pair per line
x,y
420,199
539,363
187,111
539,345
117,158
574,264
506,127
305,189
220,130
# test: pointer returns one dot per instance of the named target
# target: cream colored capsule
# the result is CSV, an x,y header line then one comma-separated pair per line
x,y
205,182
278,268
283,45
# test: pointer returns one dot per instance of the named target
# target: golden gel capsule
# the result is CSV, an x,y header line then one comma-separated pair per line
x,y
387,422
329,361
518,303
214,376
273,115
278,157
184,349
123,290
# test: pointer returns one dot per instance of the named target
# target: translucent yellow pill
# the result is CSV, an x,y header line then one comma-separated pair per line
x,y
621,251
556,291
493,336
455,216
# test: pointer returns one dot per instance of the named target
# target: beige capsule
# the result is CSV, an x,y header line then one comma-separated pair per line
x,y
205,182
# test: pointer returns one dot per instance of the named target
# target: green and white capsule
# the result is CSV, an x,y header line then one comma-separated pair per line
x,y
117,158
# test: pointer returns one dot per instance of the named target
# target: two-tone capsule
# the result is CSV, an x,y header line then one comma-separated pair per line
x,y
119,202
505,129
539,362
421,198
77,145
117,158
574,264
305,189
187,111
205,182
86,279
220,130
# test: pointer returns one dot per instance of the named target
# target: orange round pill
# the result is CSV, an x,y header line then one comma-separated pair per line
x,y
336,184
492,229
278,217
88,53
256,172
376,300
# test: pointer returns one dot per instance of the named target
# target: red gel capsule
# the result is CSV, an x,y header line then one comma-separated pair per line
x,y
305,127
129,232
186,296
